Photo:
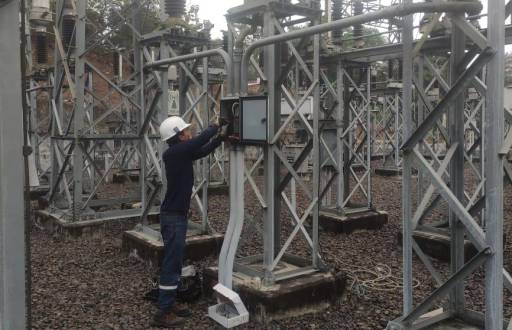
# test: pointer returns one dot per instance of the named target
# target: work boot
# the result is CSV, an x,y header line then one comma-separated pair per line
x,y
181,310
166,320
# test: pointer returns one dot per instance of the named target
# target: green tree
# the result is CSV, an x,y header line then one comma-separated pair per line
x,y
108,19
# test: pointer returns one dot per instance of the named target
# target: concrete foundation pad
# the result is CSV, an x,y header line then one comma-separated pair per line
x,y
440,319
310,293
125,177
388,171
150,250
452,324
435,242
56,224
349,222
39,191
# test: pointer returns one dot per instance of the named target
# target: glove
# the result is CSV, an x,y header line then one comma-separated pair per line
x,y
223,132
215,121
222,121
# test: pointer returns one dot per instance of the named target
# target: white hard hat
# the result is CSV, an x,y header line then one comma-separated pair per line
x,y
172,126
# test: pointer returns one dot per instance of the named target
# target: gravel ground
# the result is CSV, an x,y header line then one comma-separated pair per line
x,y
88,283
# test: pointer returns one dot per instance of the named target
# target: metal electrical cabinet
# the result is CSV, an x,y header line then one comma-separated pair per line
x,y
247,118
253,119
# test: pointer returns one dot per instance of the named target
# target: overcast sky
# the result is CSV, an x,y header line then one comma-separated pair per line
x,y
214,11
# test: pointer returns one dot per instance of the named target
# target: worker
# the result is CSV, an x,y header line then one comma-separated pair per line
x,y
182,151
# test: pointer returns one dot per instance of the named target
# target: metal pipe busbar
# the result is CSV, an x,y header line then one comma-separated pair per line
x,y
389,12
195,56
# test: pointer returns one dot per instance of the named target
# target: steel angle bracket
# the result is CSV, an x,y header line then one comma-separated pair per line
x,y
396,325
230,311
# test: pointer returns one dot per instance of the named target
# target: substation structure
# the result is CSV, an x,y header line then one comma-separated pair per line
x,y
388,128
439,116
474,62
104,149
453,143
337,140
93,132
277,67
38,26
347,147
365,121
454,139
198,103
444,175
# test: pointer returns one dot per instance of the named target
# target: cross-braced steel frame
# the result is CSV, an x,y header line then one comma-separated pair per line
x,y
275,18
197,105
37,85
350,154
403,9
441,170
388,128
79,137
474,63
132,106
389,121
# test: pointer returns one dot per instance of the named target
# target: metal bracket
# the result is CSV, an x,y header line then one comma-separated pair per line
x,y
230,311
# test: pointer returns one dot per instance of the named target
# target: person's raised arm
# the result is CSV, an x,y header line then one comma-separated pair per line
x,y
194,144
206,149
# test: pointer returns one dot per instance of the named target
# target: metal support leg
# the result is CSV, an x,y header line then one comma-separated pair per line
x,y
407,168
316,146
78,157
140,99
368,136
421,116
456,133
205,162
397,131
163,113
494,132
12,239
346,138
271,214
340,195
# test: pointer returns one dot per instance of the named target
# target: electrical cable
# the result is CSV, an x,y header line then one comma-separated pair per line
x,y
378,277
237,104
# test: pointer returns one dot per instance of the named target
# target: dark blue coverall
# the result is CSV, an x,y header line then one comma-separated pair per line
x,y
178,159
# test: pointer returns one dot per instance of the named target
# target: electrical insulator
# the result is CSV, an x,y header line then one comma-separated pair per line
x,y
174,8
40,17
357,10
337,8
225,41
68,28
40,14
68,25
115,63
42,48
391,76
